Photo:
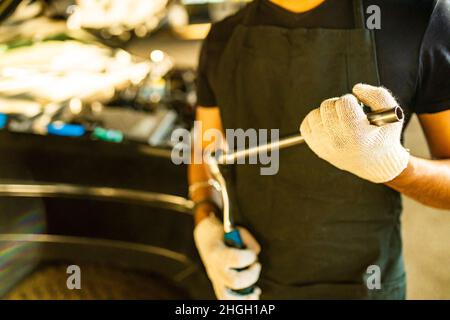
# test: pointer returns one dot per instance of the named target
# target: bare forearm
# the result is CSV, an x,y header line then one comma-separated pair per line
x,y
209,118
198,175
426,181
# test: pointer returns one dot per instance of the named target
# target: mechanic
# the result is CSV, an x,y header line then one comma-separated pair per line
x,y
333,210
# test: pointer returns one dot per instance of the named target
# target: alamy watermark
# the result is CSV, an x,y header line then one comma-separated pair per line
x,y
74,279
195,151
373,21
373,280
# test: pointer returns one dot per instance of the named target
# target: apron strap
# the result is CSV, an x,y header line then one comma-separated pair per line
x,y
358,11
251,12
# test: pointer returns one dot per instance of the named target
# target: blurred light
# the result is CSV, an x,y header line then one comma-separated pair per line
x,y
141,31
74,20
116,30
51,108
75,105
155,97
96,107
14,72
123,57
139,72
105,34
125,36
152,23
71,9
157,56
178,16
58,124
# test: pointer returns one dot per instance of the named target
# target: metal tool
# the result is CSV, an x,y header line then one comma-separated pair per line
x,y
377,118
232,236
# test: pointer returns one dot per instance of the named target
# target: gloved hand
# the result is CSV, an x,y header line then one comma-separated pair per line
x,y
340,133
220,260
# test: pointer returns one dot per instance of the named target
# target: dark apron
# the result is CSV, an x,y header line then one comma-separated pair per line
x,y
320,228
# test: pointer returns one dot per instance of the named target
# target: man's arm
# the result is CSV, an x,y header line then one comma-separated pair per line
x,y
198,174
221,262
339,133
428,181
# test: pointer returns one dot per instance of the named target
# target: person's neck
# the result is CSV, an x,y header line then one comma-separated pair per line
x,y
298,6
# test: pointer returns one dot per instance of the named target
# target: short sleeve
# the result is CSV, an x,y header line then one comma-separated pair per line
x,y
433,94
205,94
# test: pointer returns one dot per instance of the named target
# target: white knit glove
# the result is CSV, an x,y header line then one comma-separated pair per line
x,y
340,133
221,261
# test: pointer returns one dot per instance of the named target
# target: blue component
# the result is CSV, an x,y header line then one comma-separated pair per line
x,y
3,120
243,292
66,130
233,239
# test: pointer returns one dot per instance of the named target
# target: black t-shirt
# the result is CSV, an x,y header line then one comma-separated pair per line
x,y
413,46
